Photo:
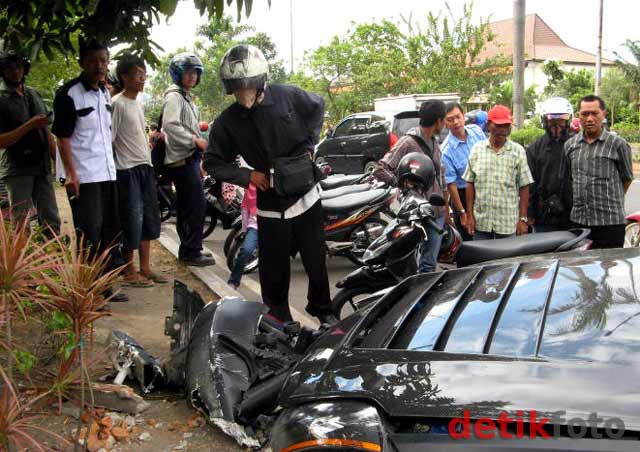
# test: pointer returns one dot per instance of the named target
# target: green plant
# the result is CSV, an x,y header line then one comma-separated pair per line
x,y
24,360
16,425
527,135
23,261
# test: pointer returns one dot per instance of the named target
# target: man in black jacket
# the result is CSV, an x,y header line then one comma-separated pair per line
x,y
265,123
550,197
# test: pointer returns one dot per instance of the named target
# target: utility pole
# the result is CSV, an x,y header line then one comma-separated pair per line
x,y
599,54
291,31
518,62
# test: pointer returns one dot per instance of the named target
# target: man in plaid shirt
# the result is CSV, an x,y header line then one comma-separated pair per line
x,y
498,179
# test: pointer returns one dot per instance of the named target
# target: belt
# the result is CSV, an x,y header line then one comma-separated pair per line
x,y
183,162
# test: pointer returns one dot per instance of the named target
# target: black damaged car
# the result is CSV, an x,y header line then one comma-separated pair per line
x,y
535,354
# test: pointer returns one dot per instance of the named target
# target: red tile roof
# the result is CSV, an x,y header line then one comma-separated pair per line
x,y
540,43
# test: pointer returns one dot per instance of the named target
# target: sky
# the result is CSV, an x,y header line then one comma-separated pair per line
x,y
317,21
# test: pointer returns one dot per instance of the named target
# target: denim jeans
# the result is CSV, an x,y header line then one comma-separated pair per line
x,y
430,248
248,247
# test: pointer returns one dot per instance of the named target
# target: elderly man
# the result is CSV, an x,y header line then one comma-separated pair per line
x,y
455,156
498,180
601,172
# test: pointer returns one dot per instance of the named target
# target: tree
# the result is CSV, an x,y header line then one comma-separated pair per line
x,y
631,70
48,25
572,85
616,92
503,95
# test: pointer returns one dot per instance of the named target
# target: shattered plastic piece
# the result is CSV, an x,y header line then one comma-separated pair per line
x,y
237,432
132,360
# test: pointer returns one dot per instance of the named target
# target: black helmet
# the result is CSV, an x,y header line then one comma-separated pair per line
x,y
243,66
418,167
451,241
11,56
183,61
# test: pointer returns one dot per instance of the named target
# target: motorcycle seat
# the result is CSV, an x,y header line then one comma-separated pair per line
x,y
476,251
341,191
353,201
339,180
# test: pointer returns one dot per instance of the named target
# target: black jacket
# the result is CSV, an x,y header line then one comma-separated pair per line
x,y
286,123
550,198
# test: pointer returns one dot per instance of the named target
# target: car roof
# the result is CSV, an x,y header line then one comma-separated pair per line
x,y
389,115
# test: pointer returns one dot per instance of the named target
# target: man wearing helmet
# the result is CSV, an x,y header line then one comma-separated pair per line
x,y
265,124
184,147
25,144
550,194
423,138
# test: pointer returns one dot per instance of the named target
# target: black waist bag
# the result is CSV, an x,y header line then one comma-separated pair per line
x,y
27,152
294,176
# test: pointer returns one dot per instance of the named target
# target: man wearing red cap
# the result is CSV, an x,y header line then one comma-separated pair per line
x,y
498,179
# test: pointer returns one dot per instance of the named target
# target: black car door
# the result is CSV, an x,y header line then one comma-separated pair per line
x,y
355,144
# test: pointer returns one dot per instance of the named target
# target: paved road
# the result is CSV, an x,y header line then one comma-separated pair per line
x,y
338,267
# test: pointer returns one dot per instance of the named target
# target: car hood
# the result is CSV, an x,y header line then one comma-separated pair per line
x,y
557,334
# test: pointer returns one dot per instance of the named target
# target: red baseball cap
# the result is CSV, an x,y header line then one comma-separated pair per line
x,y
500,115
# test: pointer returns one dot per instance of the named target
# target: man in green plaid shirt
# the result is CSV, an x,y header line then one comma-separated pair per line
x,y
498,179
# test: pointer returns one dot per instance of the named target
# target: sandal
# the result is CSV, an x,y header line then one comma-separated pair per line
x,y
155,277
142,282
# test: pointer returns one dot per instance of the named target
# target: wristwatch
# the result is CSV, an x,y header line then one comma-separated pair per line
x,y
524,219
462,211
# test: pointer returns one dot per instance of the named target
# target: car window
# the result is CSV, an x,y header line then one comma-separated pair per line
x,y
378,124
402,125
352,126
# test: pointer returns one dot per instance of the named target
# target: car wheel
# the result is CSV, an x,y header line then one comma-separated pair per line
x,y
370,166
632,235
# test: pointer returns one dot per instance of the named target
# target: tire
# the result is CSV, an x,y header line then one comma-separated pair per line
x,y
369,166
164,204
236,246
344,302
354,255
632,235
230,238
209,223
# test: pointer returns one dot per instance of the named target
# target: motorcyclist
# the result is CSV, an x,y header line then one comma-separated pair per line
x,y
550,198
270,125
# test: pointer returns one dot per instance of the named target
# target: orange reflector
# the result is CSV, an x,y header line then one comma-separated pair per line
x,y
334,442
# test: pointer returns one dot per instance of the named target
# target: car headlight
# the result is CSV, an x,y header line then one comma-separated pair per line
x,y
342,424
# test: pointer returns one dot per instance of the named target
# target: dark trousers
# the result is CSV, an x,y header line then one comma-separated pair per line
x,y
456,216
190,207
96,219
610,236
276,239
37,190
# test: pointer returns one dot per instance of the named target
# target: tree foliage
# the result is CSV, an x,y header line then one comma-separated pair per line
x,y
503,94
378,59
48,25
572,85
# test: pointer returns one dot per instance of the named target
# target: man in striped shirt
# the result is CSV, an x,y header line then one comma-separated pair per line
x,y
498,180
601,172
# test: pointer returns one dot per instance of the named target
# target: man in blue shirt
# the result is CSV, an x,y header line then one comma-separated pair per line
x,y
455,155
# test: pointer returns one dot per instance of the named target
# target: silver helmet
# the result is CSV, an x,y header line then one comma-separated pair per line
x,y
243,66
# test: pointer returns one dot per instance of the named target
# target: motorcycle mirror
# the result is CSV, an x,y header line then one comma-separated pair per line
x,y
436,200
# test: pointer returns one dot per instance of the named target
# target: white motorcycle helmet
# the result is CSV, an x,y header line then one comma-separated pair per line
x,y
244,66
556,108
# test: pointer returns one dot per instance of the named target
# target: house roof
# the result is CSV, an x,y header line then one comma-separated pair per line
x,y
540,43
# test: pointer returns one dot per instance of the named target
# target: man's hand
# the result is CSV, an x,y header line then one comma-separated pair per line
x,y
471,224
72,185
448,218
37,122
259,180
463,219
200,143
522,228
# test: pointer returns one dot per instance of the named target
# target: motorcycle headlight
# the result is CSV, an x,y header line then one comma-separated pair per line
x,y
332,425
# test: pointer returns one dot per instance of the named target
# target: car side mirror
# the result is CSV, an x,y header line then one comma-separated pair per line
x,y
436,199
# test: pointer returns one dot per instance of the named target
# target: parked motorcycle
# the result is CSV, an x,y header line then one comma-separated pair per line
x,y
217,208
352,222
632,231
394,255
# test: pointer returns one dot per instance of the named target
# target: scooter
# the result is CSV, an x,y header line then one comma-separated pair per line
x,y
352,221
632,231
394,255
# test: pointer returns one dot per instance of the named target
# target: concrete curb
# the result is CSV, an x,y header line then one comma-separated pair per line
x,y
214,282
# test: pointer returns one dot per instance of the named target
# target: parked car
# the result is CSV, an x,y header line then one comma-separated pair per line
x,y
361,139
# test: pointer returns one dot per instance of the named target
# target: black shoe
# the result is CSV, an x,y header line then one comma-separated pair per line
x,y
118,297
198,261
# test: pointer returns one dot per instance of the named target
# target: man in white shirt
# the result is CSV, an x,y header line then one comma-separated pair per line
x,y
82,126
139,211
